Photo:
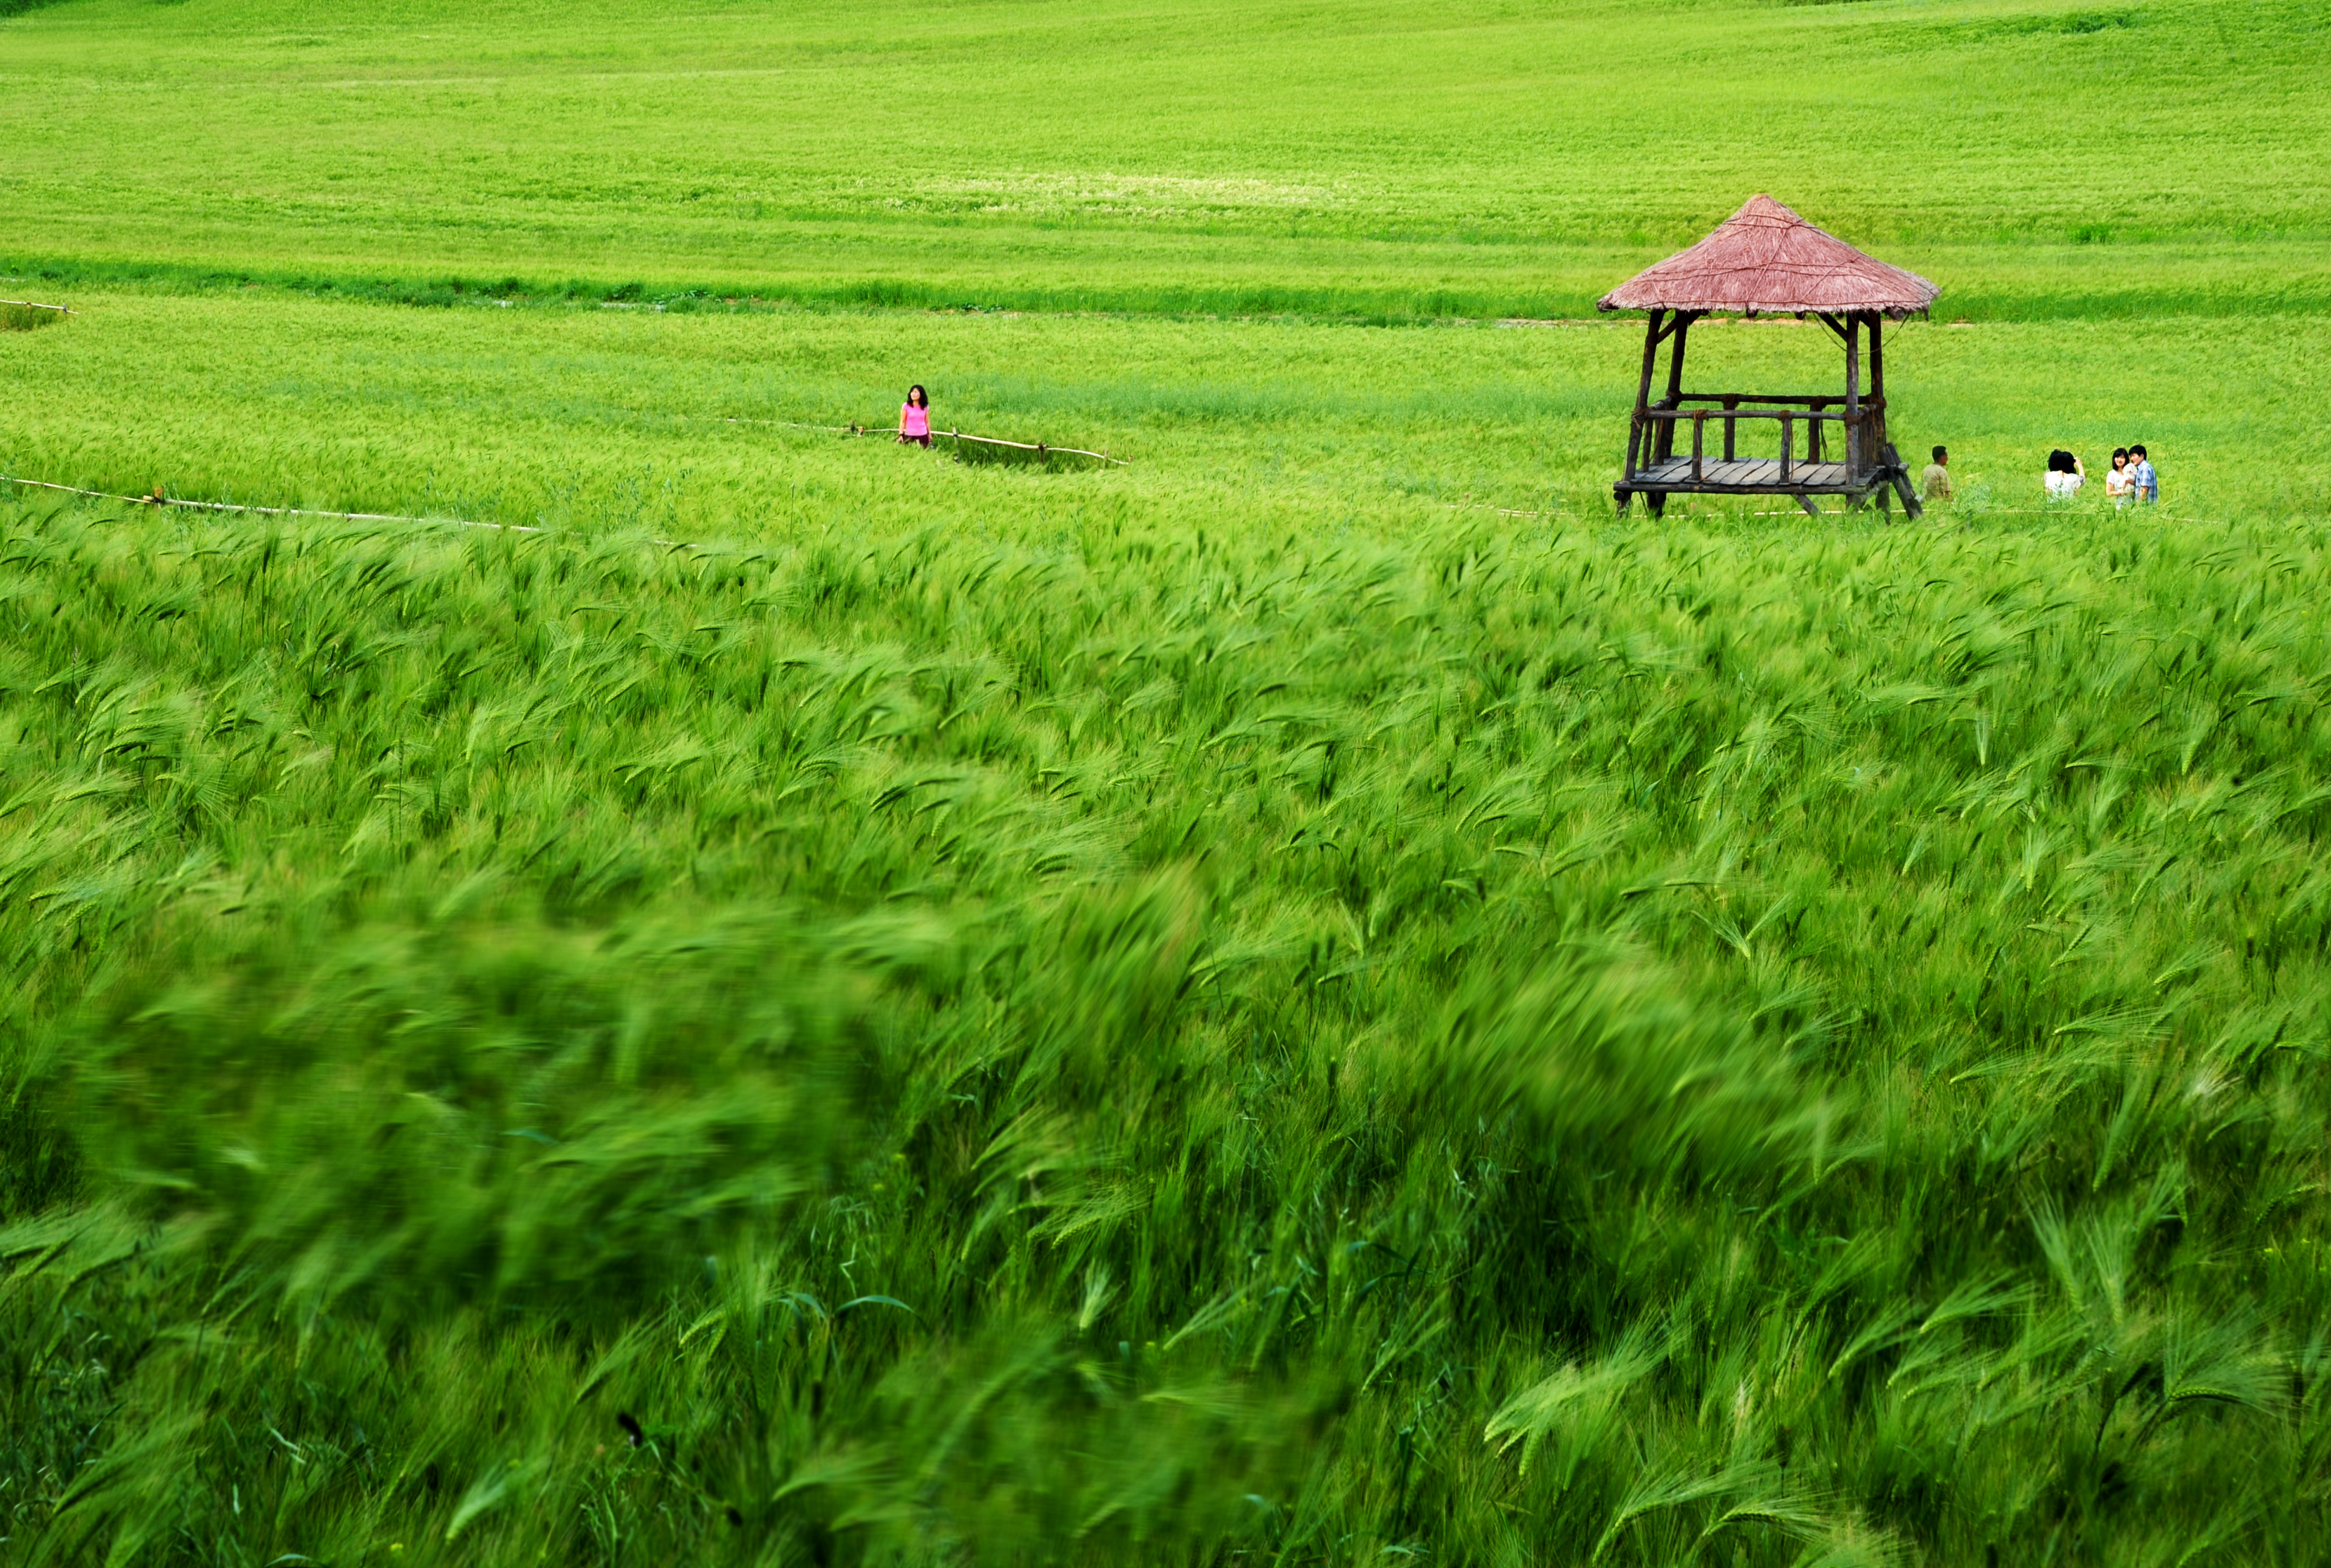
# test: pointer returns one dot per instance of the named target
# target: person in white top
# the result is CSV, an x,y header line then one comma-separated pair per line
x,y
2121,483
2065,475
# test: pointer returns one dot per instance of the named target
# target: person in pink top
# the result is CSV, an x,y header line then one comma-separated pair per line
x,y
915,417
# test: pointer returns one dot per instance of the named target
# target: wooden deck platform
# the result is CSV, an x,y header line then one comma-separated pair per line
x,y
1750,475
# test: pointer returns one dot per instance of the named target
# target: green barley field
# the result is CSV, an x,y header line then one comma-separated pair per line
x,y
708,990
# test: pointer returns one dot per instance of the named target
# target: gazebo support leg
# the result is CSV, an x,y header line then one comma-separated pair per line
x,y
1674,399
1657,503
1874,440
1806,501
1639,433
1910,506
1855,450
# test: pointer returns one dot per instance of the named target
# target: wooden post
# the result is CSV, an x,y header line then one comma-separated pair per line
x,y
1874,439
1643,392
1853,394
1675,381
1788,440
1698,438
1684,319
1730,404
1902,483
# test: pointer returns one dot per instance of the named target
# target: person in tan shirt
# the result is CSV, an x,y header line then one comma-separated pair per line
x,y
1935,484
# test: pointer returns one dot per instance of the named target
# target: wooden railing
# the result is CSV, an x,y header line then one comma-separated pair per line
x,y
1652,438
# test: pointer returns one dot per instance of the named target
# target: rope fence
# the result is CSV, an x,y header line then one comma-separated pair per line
x,y
787,423
1474,506
158,499
2061,509
1039,450
36,305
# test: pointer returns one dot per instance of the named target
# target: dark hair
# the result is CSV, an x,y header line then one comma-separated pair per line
x,y
2060,461
2137,450
1941,452
917,397
2120,451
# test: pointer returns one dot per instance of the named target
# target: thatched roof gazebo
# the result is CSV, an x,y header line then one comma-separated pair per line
x,y
1765,259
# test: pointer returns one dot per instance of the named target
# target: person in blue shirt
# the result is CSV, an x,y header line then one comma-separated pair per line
x,y
2148,487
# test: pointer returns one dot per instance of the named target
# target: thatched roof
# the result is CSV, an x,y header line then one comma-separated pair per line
x,y
1764,257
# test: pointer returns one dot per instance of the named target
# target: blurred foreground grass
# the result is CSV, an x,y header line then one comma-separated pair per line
x,y
1109,1041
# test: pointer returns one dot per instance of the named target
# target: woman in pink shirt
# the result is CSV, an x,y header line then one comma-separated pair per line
x,y
915,417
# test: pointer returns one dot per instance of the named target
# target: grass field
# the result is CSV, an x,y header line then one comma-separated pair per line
x,y
596,418
1479,157
1311,998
